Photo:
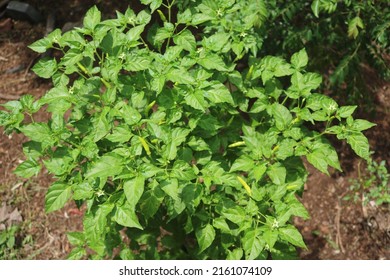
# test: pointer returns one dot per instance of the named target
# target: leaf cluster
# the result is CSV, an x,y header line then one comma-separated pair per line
x,y
341,37
180,133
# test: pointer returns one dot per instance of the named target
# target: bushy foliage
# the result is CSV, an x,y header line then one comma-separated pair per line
x,y
173,127
341,37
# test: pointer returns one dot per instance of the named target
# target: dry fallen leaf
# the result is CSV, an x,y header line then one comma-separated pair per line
x,y
8,217
15,216
3,212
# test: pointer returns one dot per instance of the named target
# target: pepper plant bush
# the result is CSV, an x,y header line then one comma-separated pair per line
x,y
342,38
178,138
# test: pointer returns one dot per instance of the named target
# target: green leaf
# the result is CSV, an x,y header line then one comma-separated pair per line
x,y
136,63
297,86
45,67
297,208
154,4
149,170
76,238
213,61
95,227
196,100
157,83
134,189
56,197
359,144
332,159
271,66
234,214
221,224
184,17
286,148
311,81
252,244
336,129
82,191
92,18
177,137
101,125
150,203
318,159
41,46
58,165
134,33
216,41
171,188
270,237
317,102
314,101
282,116
301,85
125,216
218,93
243,163
277,173
56,94
198,19
259,170
186,40
236,254
89,148
126,254
105,166
183,171
70,58
129,114
315,7
143,17
32,150
353,25
292,235
38,132
299,59
361,125
14,106
329,105
76,253
180,76
28,168
260,105
173,53
55,36
73,39
157,131
324,152
346,111
209,123
120,134
191,196
163,33
205,237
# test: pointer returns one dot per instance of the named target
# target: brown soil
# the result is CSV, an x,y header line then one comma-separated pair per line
x,y
338,229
